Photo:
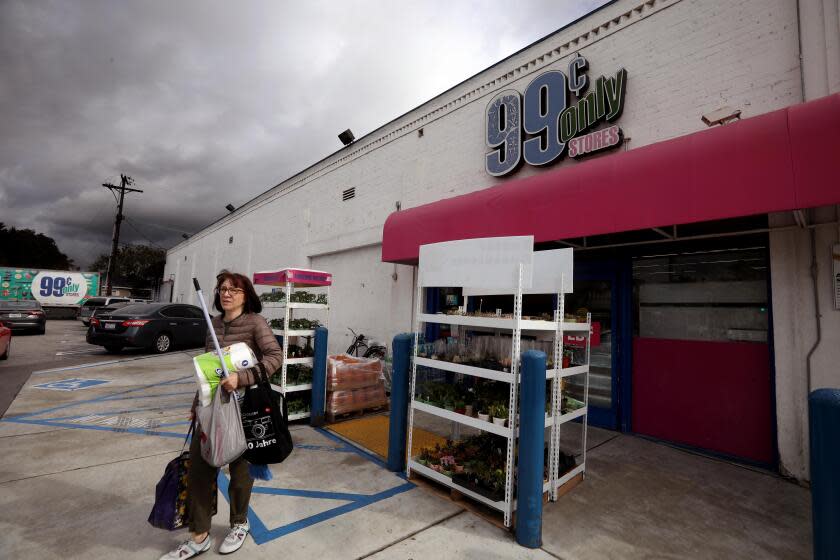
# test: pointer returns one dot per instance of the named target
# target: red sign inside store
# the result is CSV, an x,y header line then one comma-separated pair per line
x,y
580,341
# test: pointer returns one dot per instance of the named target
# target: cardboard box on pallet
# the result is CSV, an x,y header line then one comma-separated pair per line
x,y
345,372
354,384
341,402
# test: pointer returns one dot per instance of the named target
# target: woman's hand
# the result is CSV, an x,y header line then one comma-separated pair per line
x,y
230,383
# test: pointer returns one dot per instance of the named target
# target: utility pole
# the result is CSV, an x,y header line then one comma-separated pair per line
x,y
125,180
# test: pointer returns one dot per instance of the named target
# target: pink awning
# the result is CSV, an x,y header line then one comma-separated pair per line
x,y
784,160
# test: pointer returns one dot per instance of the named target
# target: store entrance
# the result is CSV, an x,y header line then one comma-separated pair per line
x,y
597,291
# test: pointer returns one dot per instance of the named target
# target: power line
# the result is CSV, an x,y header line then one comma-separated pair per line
x,y
143,235
167,228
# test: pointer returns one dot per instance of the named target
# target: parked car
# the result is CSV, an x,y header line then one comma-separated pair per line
x,y
158,326
86,309
109,308
5,342
23,315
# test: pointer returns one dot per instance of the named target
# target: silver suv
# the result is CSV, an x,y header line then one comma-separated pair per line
x,y
86,309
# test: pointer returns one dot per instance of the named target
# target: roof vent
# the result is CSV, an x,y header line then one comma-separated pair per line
x,y
348,194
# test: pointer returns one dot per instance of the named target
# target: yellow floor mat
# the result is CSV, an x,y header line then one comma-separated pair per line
x,y
371,432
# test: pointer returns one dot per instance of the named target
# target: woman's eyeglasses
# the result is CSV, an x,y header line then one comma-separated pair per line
x,y
231,291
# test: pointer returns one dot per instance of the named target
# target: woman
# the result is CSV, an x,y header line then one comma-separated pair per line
x,y
240,322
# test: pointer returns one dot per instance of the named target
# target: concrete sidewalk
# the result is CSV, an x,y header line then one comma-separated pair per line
x,y
82,449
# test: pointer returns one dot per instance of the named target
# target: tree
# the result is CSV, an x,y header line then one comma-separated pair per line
x,y
23,248
140,266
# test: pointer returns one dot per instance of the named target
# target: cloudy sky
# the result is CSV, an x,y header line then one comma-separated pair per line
x,y
205,103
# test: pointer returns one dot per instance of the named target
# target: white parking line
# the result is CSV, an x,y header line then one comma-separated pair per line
x,y
95,364
84,351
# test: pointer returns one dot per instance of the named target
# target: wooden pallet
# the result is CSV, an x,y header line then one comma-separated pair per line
x,y
487,513
333,418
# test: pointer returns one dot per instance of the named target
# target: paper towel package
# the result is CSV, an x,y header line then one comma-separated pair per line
x,y
208,368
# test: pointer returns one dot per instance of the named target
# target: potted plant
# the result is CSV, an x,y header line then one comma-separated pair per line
x,y
447,463
483,415
460,407
500,414
567,357
470,410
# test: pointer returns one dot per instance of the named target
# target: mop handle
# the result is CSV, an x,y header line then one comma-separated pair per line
x,y
210,326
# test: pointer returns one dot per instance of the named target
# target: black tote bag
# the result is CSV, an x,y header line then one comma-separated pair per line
x,y
265,420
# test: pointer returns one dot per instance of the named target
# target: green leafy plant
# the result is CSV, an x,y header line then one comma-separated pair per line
x,y
295,324
273,297
499,410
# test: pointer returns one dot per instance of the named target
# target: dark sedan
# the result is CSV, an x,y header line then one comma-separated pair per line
x,y
23,315
158,326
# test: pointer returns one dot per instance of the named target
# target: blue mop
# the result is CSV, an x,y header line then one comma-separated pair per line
x,y
259,472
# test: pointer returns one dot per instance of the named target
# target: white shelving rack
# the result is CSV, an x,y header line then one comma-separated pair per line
x,y
288,306
532,272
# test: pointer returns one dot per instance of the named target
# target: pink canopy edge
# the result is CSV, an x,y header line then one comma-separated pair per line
x,y
783,160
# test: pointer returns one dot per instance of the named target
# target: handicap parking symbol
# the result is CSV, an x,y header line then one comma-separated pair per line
x,y
71,384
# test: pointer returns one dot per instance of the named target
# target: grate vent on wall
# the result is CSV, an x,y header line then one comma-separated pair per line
x,y
348,194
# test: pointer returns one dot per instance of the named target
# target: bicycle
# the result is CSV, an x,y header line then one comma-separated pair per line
x,y
360,342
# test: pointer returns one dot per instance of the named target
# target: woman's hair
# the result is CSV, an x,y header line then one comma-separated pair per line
x,y
252,300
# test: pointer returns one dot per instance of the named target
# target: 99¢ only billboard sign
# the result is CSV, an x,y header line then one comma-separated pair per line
x,y
542,124
49,287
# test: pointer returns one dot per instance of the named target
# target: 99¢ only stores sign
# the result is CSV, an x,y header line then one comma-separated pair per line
x,y
542,124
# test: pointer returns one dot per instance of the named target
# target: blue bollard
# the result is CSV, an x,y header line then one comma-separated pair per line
x,y
319,378
400,384
824,424
529,485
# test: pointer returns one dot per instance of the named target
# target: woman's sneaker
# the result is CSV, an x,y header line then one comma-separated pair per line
x,y
235,538
189,549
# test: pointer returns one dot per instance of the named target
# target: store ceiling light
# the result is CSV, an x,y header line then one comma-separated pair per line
x,y
346,137
721,116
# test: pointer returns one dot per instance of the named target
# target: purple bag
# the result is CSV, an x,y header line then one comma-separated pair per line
x,y
170,509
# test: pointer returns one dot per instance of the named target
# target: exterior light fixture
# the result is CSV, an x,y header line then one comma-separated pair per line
x,y
230,207
185,236
346,137
721,116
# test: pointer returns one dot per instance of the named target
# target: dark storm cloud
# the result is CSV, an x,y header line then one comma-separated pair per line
x,y
206,103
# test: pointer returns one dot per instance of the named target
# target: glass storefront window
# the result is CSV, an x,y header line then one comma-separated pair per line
x,y
709,295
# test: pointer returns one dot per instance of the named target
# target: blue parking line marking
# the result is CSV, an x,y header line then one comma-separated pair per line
x,y
74,384
169,425
97,399
118,398
124,411
262,534
297,493
137,431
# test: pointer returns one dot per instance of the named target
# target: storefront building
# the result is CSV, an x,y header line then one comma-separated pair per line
x,y
687,151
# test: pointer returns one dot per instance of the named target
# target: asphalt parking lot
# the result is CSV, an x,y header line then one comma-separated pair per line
x,y
63,345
